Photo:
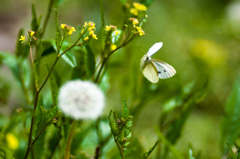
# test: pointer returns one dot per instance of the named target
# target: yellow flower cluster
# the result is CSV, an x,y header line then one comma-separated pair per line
x,y
137,8
90,26
140,31
68,27
134,21
110,27
30,33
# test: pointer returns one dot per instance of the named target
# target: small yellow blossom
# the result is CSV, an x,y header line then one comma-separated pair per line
x,y
22,39
113,47
134,21
91,32
139,6
86,38
32,33
94,36
91,26
108,28
12,141
117,32
134,11
72,29
85,24
62,26
140,31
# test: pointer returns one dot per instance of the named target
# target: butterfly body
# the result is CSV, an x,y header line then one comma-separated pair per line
x,y
154,69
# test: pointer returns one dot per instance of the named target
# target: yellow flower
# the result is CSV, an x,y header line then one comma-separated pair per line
x,y
139,6
113,47
108,28
22,39
32,33
94,36
134,11
62,26
85,24
12,141
86,38
72,29
140,31
82,31
117,32
134,21
91,26
91,32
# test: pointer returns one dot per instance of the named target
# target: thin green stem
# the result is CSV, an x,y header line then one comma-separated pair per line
x,y
119,147
70,137
31,127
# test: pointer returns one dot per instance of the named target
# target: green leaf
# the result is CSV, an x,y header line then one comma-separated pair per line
x,y
115,37
58,33
37,65
5,153
10,60
89,61
46,118
113,123
232,155
168,144
177,124
125,110
230,124
54,86
68,56
34,22
147,154
190,153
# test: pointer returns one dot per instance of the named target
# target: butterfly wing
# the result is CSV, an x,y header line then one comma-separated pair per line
x,y
154,48
164,70
149,71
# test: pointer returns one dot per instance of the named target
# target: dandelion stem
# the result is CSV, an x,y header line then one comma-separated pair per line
x,y
70,137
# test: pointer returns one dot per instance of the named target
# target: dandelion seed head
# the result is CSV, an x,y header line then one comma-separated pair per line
x,y
81,100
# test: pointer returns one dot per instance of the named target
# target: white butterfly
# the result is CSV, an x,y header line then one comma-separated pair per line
x,y
154,69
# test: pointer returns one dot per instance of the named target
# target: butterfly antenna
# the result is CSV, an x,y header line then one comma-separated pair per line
x,y
142,49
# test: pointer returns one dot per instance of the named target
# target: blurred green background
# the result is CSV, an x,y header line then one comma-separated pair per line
x,y
201,40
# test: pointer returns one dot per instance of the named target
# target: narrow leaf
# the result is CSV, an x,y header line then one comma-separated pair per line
x,y
113,123
147,154
58,33
102,23
230,125
54,87
89,61
19,45
34,23
232,155
125,110
46,117
37,65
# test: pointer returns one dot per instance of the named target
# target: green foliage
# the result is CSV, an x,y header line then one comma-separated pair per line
x,y
58,33
231,119
146,154
35,23
89,61
5,153
37,65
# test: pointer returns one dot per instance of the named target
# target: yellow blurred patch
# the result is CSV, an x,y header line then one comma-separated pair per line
x,y
12,141
209,51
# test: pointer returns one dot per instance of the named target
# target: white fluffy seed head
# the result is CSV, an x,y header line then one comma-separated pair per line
x,y
81,100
